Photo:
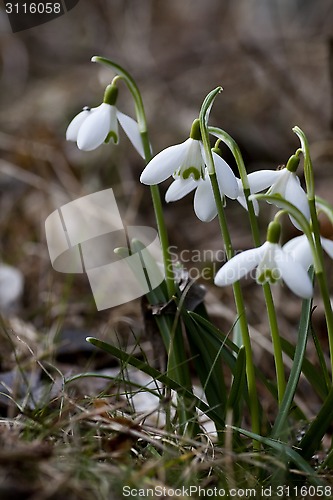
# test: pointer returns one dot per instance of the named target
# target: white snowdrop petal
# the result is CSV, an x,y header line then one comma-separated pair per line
x,y
267,261
239,266
164,164
299,249
180,188
225,177
95,128
262,179
295,194
204,202
292,244
131,129
114,129
327,246
294,275
242,201
74,126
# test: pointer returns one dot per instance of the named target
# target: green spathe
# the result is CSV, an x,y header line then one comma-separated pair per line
x,y
274,232
111,94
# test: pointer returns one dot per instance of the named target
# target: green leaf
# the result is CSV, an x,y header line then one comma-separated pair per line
x,y
303,331
118,378
219,336
124,357
216,336
237,335
308,369
292,455
238,387
207,358
324,376
323,206
289,207
313,436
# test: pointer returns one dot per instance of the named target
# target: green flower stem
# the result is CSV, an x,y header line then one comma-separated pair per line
x,y
168,267
250,371
172,336
155,193
322,280
319,268
271,312
278,359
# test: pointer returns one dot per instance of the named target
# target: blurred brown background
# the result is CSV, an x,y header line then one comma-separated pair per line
x,y
273,58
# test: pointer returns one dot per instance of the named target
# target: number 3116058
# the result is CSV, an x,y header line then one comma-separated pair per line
x,y
33,8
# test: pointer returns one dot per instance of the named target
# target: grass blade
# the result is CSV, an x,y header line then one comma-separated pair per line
x,y
292,455
149,370
311,441
303,332
238,387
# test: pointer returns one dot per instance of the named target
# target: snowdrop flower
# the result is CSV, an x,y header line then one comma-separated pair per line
x,y
92,127
299,249
242,200
273,263
186,163
282,182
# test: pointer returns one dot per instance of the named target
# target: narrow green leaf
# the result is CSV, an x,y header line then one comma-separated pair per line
x,y
207,358
295,457
237,335
303,331
308,369
216,336
149,370
325,377
289,207
323,206
215,333
119,378
313,436
238,387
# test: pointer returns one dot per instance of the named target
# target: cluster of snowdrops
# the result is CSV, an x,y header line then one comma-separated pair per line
x,y
196,165
190,166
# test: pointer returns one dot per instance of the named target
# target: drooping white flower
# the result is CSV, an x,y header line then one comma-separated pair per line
x,y
186,163
300,250
284,183
272,264
91,127
242,200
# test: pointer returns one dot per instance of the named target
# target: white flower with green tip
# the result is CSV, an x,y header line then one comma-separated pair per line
x,y
284,183
186,163
300,250
272,264
242,200
92,127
